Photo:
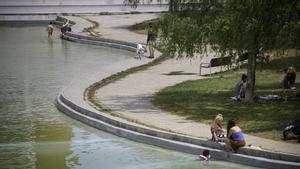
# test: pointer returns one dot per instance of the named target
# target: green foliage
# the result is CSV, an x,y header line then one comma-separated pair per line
x,y
230,26
142,27
91,29
181,37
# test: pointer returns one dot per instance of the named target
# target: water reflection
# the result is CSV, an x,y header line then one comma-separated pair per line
x,y
52,144
50,46
33,70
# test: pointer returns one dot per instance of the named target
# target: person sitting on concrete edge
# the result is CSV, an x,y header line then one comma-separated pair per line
x,y
66,27
217,132
151,40
235,138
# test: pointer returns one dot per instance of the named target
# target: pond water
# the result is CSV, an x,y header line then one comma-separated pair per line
x,y
34,134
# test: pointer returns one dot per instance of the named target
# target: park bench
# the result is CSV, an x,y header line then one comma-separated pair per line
x,y
216,62
242,59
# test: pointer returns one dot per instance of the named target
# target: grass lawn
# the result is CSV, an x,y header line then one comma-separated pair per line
x,y
202,100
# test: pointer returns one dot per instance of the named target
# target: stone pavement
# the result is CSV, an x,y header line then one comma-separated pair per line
x,y
131,96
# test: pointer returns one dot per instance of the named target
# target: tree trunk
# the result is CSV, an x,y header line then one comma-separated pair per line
x,y
249,94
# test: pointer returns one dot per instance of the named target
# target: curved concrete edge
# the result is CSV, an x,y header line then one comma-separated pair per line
x,y
91,118
60,20
138,128
174,136
98,41
26,20
93,40
271,157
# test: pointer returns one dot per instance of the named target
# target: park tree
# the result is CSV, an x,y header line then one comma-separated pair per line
x,y
231,27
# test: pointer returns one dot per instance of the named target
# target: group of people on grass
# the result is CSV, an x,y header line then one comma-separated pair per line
x,y
288,82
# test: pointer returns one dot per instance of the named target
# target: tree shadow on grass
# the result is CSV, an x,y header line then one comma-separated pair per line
x,y
179,73
253,117
279,64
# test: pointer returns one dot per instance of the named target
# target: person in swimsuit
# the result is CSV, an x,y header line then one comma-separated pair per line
x,y
235,138
205,156
50,29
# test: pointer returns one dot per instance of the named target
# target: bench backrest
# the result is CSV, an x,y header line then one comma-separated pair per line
x,y
243,57
222,61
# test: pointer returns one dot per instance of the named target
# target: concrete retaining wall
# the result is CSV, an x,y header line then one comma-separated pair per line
x,y
100,41
27,18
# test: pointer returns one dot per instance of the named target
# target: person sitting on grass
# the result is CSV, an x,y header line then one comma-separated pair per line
x,y
289,78
216,129
235,138
240,88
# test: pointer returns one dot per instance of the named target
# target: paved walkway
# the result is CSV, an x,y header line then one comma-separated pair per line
x,y
131,96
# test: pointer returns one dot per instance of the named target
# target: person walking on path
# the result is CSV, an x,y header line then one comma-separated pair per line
x,y
235,138
150,40
50,29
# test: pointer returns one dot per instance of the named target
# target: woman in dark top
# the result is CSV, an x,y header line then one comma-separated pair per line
x,y
289,78
235,137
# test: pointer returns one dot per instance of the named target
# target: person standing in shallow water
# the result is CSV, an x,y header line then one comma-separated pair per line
x,y
150,40
50,29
